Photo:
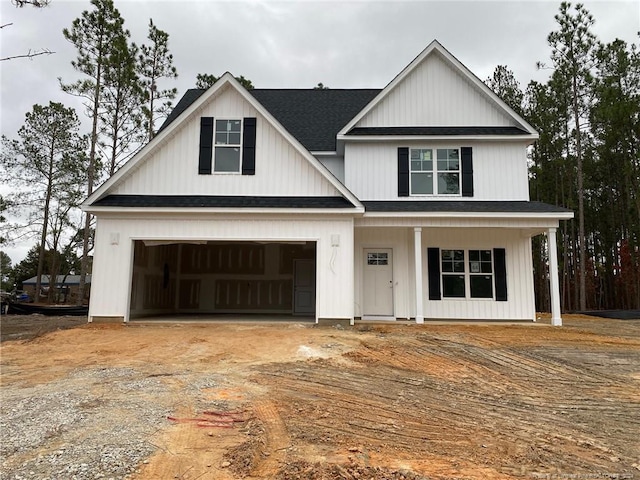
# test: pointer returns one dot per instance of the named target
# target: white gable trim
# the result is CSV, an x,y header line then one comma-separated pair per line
x,y
226,81
435,46
526,139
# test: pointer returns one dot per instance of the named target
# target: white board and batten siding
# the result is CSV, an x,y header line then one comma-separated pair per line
x,y
173,168
520,304
113,258
401,243
499,170
435,94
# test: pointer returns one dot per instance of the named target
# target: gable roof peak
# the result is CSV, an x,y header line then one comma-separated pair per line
x,y
455,64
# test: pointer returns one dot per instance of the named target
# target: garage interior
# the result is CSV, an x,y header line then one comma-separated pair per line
x,y
220,280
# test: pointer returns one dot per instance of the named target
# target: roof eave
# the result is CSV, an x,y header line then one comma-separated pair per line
x,y
475,215
222,210
408,138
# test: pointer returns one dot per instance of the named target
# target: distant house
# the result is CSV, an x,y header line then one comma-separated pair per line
x,y
66,287
407,202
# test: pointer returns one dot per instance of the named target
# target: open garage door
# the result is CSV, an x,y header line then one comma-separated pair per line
x,y
220,278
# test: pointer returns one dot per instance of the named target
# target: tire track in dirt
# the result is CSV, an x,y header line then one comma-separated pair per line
x,y
507,397
276,439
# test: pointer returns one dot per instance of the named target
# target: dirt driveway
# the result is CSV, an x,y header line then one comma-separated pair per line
x,y
292,401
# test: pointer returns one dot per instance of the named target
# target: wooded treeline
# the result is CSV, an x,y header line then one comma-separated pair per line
x,y
587,159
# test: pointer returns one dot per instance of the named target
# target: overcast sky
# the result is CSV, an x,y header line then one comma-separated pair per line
x,y
296,44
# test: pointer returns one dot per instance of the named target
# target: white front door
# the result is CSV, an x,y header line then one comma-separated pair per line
x,y
378,282
304,287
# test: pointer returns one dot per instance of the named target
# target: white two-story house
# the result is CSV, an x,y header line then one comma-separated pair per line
x,y
409,202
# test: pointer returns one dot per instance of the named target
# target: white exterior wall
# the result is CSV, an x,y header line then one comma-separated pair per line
x,y
499,170
435,94
112,267
399,240
333,163
520,304
173,168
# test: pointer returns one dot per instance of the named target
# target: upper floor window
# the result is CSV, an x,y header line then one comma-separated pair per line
x,y
435,171
227,146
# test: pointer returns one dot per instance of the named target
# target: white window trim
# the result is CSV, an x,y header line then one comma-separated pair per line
x,y
227,145
435,172
467,276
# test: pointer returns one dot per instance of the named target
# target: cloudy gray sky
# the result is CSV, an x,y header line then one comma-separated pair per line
x,y
295,44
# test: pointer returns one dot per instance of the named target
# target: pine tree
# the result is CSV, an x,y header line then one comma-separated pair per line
x,y
503,82
572,54
94,35
47,171
615,125
121,116
155,63
206,80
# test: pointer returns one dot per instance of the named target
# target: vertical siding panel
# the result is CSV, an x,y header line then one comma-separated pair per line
x,y
520,302
371,170
335,290
172,169
450,99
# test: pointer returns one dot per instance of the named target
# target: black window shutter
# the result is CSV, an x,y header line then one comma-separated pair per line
x,y
467,172
249,147
403,172
206,145
500,265
433,265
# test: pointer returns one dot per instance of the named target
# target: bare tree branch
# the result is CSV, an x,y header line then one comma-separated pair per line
x,y
6,25
34,3
30,54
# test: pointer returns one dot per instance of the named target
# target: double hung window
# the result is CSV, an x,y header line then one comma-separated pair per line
x,y
435,171
467,271
227,146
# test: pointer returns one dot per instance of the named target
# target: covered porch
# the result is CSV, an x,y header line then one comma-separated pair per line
x,y
447,265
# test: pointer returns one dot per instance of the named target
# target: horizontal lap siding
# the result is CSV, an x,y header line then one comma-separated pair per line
x,y
111,269
435,94
499,170
173,169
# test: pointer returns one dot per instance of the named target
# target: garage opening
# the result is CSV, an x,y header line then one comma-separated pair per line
x,y
221,279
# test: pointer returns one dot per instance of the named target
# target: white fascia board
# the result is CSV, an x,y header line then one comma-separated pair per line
x,y
229,211
529,139
473,215
226,79
324,154
456,64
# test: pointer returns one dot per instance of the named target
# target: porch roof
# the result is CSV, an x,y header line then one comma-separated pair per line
x,y
461,206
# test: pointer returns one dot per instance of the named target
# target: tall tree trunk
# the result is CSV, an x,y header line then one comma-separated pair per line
x,y
581,236
84,262
45,225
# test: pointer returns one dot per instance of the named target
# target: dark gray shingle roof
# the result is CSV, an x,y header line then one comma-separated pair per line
x,y
217,201
313,117
462,206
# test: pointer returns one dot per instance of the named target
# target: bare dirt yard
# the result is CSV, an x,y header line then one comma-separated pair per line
x,y
294,401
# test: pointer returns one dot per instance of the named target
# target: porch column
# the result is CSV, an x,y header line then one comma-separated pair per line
x,y
556,318
417,250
